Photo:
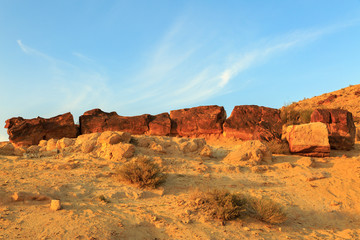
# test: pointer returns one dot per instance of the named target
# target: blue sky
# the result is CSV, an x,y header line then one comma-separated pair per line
x,y
136,57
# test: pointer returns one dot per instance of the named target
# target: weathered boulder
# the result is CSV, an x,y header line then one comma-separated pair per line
x,y
197,121
249,153
7,148
160,125
64,143
310,139
116,152
26,132
340,126
98,121
251,122
112,138
192,145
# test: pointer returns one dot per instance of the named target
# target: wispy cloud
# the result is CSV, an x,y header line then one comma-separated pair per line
x,y
83,57
170,80
76,88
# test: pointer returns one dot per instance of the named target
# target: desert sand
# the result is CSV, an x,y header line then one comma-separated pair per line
x,y
320,200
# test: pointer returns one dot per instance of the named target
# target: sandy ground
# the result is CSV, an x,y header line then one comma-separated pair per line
x,y
322,202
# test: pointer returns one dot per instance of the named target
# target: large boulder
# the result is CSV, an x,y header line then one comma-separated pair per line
x,y
160,125
26,132
310,139
251,122
197,121
340,126
98,121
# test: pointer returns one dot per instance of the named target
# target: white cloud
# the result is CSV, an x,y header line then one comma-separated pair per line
x,y
82,57
71,87
167,80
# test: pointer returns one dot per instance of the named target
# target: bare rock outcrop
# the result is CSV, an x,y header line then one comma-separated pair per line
x,y
310,139
26,132
251,122
340,126
160,125
198,121
98,121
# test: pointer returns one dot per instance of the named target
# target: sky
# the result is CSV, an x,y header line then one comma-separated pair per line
x,y
137,57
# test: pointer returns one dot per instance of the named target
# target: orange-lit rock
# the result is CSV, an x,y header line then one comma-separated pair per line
x,y
26,132
160,125
197,121
251,122
309,139
98,121
340,125
328,100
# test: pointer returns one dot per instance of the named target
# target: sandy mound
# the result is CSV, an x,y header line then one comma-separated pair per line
x,y
320,195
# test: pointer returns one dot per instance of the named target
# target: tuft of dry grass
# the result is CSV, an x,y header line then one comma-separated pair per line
x,y
266,210
278,147
223,205
141,172
290,116
219,204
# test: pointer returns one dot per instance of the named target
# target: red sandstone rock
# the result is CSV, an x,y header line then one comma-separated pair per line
x,y
330,99
98,121
160,125
340,125
251,122
197,121
26,132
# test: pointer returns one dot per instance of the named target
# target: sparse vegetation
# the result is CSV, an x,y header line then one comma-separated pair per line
x,y
266,210
220,204
278,147
223,205
103,199
291,116
141,172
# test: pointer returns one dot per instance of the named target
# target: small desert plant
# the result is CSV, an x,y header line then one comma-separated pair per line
x,y
220,204
266,210
290,116
141,172
278,147
103,199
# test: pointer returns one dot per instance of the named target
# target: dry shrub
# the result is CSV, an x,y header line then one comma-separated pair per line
x,y
223,205
220,204
266,210
290,116
141,172
278,147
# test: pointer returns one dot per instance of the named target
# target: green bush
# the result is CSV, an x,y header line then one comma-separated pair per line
x,y
141,172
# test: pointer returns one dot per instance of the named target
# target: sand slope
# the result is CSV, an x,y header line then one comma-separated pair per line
x,y
321,201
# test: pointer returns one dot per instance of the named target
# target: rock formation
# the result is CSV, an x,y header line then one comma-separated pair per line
x,y
340,125
98,121
251,122
310,139
26,132
160,125
197,121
